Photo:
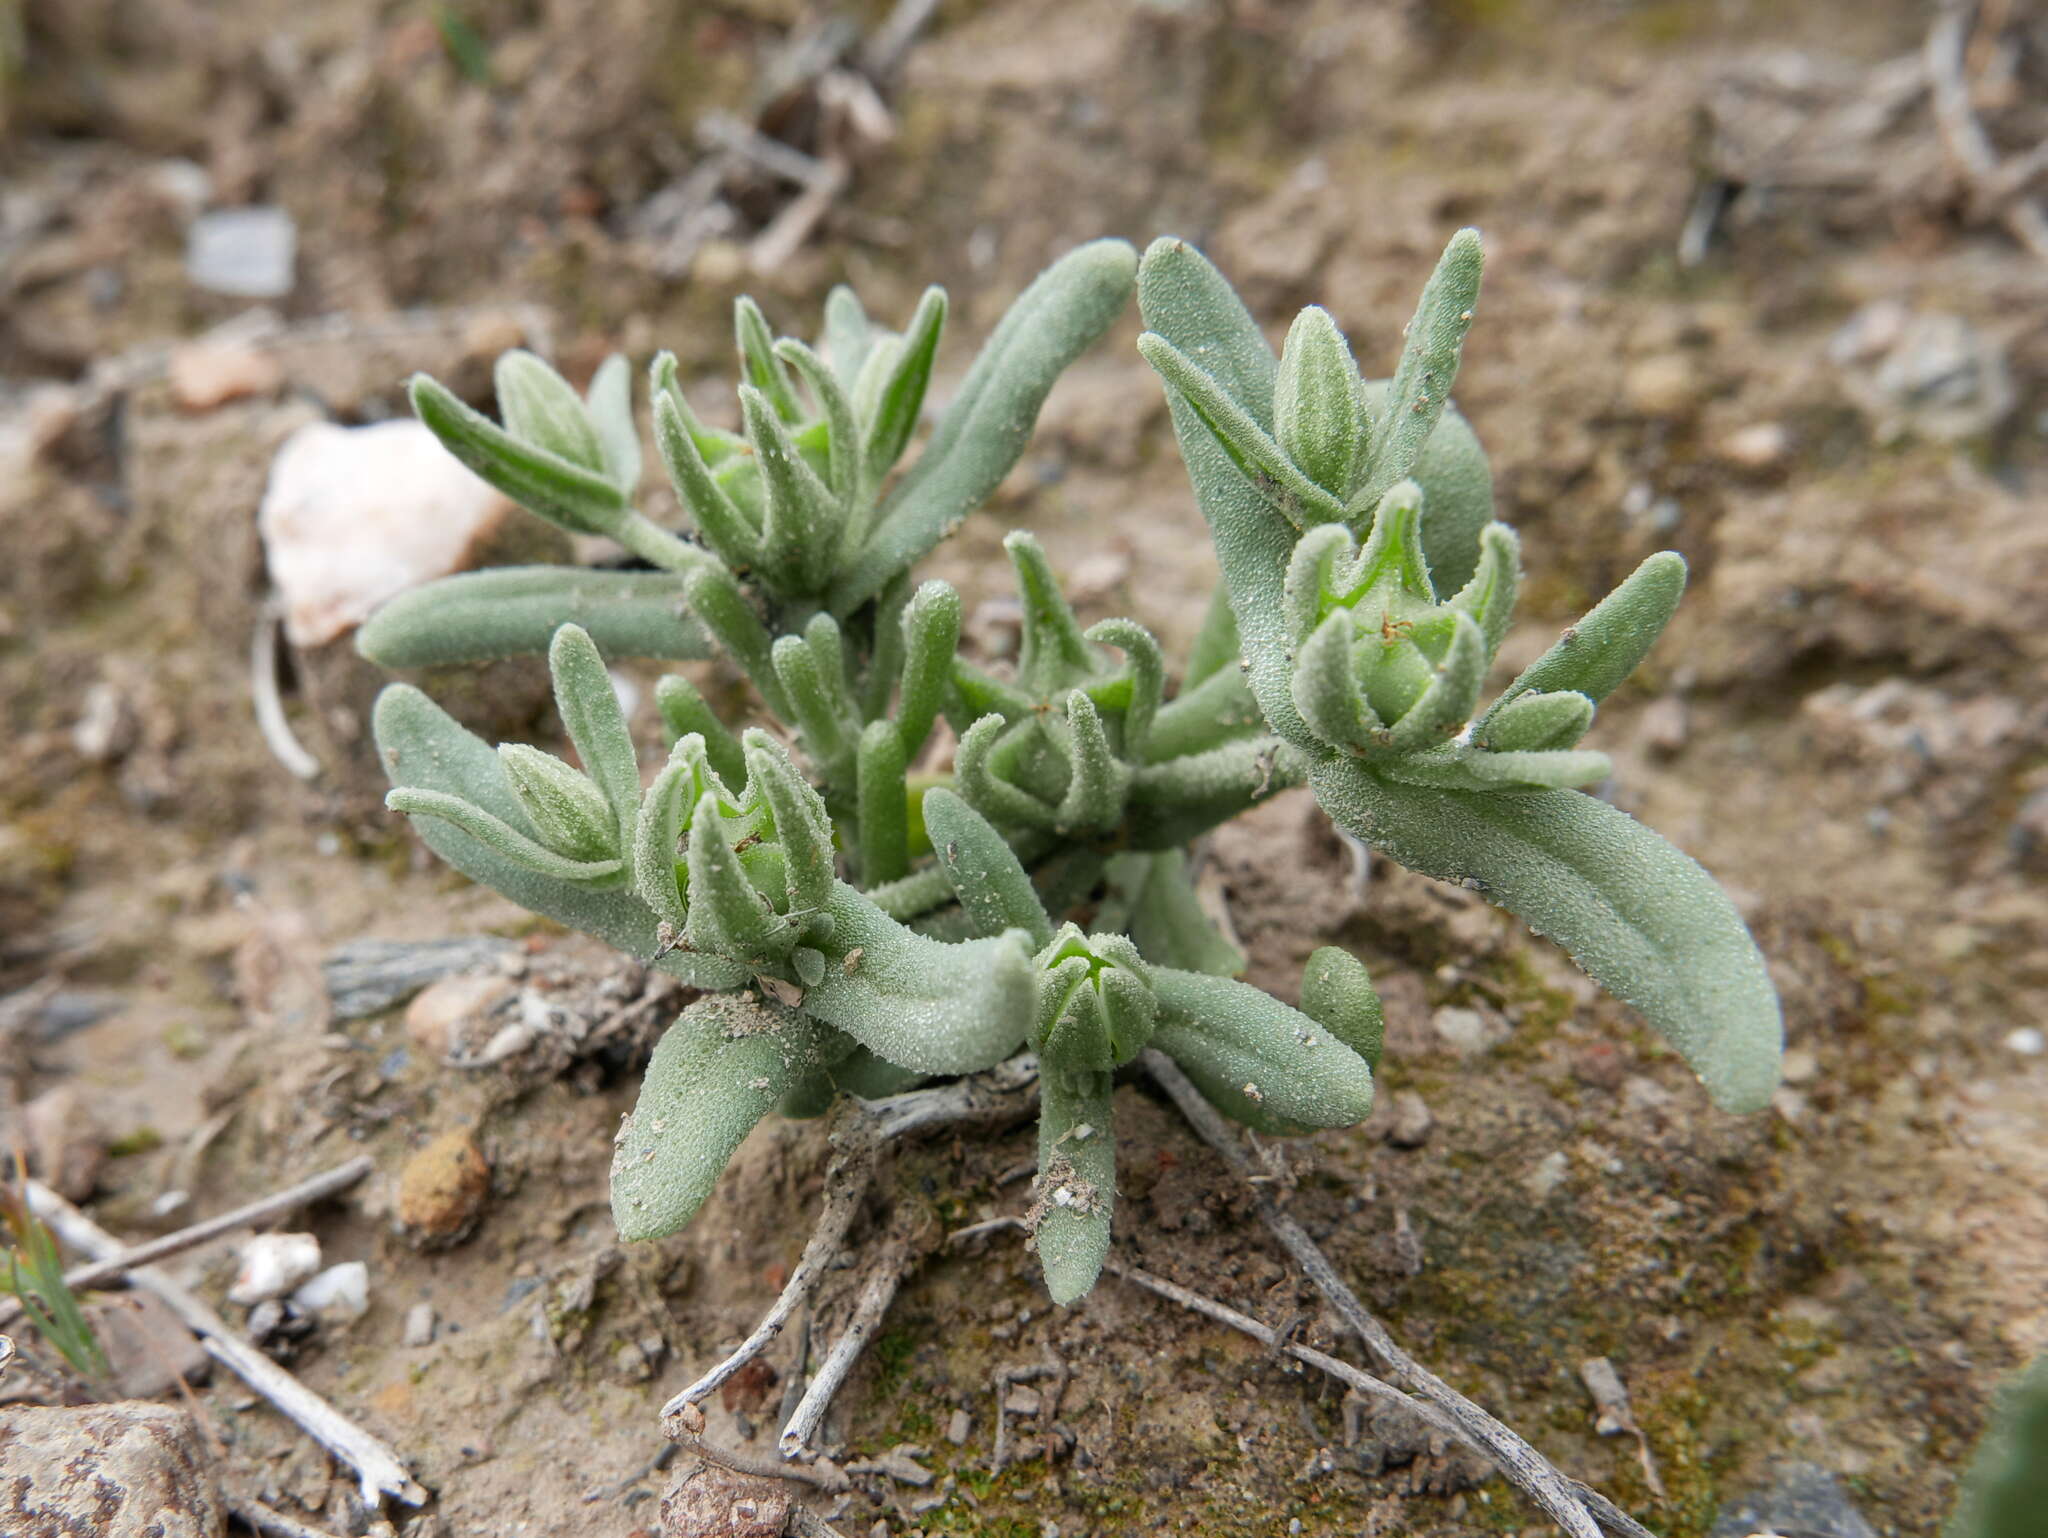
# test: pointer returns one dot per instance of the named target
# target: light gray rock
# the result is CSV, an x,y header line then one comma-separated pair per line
x,y
1801,1498
244,252
123,1470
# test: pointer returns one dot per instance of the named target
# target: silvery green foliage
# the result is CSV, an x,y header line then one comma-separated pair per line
x,y
797,507
1372,590
730,865
2005,1489
854,930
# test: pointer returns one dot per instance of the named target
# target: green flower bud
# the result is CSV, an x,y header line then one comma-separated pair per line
x,y
566,809
1318,403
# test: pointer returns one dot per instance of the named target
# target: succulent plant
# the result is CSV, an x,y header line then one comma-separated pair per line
x,y
1371,590
855,929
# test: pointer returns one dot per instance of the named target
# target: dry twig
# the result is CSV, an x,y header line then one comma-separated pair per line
x,y
267,1519
1964,137
864,1128
687,1427
846,1183
808,1524
1352,1377
1562,1498
377,1467
271,723
885,1273
252,1215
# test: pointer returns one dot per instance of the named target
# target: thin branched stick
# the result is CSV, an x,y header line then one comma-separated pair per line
x,y
378,1469
861,1131
251,1215
1561,1497
886,1270
1609,1516
846,1183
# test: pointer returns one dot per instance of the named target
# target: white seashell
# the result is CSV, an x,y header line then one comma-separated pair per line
x,y
355,515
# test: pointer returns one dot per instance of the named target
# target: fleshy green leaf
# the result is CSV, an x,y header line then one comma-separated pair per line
x,y
1219,709
610,404
1076,1180
801,826
1595,655
1184,299
1318,403
902,393
501,837
1536,722
931,635
1421,386
984,871
1173,802
683,711
846,474
716,1072
848,333
541,408
817,707
657,835
760,368
1052,653
1326,690
423,748
924,1004
1095,795
883,805
986,791
803,516
985,428
590,710
565,807
725,526
728,915
512,611
1337,993
716,600
1457,493
1488,595
1465,769
1251,449
1644,920
1271,1067
1446,705
565,493
1144,677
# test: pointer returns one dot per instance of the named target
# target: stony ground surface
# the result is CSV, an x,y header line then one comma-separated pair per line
x,y
1846,724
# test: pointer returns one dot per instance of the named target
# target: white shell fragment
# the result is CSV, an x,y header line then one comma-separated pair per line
x,y
356,515
342,1289
272,1265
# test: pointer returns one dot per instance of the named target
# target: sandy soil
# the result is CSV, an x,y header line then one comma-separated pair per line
x,y
1846,724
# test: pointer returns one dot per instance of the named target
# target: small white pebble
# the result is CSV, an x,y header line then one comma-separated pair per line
x,y
2027,1041
344,1288
1083,1132
272,1265
1063,1197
